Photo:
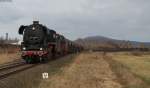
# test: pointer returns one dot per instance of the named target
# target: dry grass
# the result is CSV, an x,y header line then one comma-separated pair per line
x,y
88,70
8,57
9,49
134,70
31,78
9,53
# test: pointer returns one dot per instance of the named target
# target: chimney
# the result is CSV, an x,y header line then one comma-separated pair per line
x,y
35,22
6,36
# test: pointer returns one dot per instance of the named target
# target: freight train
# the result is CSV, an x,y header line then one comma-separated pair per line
x,y
41,44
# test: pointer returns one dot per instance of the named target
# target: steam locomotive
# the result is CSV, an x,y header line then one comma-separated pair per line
x,y
41,44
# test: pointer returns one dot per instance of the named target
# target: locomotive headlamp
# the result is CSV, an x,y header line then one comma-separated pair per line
x,y
41,48
33,28
24,48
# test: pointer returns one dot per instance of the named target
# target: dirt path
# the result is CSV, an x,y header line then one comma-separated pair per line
x,y
89,70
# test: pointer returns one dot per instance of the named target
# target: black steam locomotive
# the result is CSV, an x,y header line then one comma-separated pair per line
x,y
41,44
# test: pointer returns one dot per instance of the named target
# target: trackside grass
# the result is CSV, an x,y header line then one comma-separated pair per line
x,y
32,77
9,57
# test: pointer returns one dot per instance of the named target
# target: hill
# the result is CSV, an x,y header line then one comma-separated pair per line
x,y
94,42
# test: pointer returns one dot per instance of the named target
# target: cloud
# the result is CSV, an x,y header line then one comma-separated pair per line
x,y
120,19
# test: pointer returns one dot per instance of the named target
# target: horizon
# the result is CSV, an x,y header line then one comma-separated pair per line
x,y
4,37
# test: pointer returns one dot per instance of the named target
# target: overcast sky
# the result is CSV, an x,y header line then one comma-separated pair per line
x,y
119,19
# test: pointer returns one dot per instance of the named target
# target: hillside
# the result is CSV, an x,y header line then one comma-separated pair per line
x,y
104,42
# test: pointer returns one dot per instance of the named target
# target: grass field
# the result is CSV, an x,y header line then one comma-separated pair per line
x,y
134,70
87,70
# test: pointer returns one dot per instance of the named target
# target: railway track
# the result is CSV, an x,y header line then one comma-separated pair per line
x,y
11,64
12,68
